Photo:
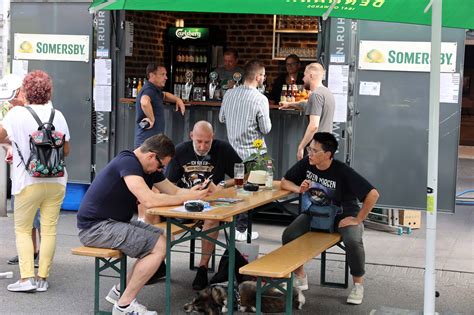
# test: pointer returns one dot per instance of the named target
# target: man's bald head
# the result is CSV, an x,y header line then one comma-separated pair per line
x,y
202,136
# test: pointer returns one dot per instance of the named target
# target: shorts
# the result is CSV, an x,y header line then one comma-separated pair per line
x,y
135,239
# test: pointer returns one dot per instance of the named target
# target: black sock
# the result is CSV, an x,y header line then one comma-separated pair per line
x,y
123,307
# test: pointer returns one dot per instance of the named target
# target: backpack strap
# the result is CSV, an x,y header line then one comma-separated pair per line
x,y
38,120
19,153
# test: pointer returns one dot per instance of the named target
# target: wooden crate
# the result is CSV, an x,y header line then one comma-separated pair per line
x,y
411,218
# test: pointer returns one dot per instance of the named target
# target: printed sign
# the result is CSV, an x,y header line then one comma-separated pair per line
x,y
51,47
191,33
404,56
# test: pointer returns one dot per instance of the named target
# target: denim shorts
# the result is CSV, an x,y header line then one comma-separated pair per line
x,y
135,239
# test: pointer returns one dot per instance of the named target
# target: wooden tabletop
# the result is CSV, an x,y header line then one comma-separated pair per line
x,y
250,201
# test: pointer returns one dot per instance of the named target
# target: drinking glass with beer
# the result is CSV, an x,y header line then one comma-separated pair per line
x,y
239,171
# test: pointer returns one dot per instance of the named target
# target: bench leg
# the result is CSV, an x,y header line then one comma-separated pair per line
x,y
107,264
276,284
344,285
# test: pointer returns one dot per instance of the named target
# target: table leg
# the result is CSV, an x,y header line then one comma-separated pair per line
x,y
230,288
168,266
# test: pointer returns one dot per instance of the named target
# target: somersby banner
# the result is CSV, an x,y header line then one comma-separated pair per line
x,y
404,56
51,47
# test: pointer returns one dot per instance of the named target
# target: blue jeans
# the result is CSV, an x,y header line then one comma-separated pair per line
x,y
351,236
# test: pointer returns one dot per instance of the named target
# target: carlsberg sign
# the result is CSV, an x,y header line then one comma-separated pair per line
x,y
51,47
404,56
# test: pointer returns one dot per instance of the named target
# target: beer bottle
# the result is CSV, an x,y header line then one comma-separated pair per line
x,y
283,93
134,87
139,86
128,88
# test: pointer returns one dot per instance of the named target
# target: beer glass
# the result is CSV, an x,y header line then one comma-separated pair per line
x,y
239,171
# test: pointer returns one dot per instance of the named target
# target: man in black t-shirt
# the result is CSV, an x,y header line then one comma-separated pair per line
x,y
193,163
324,181
110,202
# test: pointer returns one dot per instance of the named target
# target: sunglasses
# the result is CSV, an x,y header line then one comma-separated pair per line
x,y
160,164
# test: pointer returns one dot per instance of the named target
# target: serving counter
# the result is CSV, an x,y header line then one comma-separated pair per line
x,y
288,127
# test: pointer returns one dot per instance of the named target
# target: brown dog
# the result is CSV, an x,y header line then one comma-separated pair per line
x,y
213,300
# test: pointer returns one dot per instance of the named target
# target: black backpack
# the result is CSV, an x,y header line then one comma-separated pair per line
x,y
46,149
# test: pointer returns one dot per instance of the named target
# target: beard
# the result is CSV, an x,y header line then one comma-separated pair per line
x,y
307,86
201,154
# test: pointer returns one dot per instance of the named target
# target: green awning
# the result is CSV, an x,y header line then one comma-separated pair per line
x,y
456,13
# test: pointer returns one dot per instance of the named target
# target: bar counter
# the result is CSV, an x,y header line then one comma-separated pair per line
x,y
288,127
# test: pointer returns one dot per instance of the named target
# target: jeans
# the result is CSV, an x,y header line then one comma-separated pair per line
x,y
351,236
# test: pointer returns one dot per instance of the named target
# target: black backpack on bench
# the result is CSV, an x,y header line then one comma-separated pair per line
x,y
46,149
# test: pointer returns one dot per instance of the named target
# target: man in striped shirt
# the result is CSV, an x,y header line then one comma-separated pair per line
x,y
246,113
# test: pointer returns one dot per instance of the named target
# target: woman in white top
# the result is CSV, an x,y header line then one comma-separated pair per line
x,y
31,193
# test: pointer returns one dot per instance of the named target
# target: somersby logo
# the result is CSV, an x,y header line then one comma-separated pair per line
x,y
185,34
374,56
26,47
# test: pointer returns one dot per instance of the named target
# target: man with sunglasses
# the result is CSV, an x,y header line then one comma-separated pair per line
x,y
105,213
324,181
320,106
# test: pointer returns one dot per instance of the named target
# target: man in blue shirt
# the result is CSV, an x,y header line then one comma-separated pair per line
x,y
105,213
149,110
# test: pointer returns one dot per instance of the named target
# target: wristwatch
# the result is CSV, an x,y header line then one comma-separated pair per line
x,y
222,184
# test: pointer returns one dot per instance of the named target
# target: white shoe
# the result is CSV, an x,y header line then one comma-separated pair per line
x,y
134,308
42,285
300,283
242,236
25,286
113,296
356,295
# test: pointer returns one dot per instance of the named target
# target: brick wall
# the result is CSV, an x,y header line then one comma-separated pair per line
x,y
250,34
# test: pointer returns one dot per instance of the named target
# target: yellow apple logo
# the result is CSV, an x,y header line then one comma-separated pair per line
x,y
374,56
26,47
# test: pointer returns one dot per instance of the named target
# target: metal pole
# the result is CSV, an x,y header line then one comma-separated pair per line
x,y
3,183
433,146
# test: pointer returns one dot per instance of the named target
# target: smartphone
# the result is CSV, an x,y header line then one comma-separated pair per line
x,y
207,182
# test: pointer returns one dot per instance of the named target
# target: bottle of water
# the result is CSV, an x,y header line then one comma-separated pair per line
x,y
269,175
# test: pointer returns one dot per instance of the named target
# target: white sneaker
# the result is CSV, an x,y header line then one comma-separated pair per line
x,y
42,285
300,283
25,286
113,296
242,236
134,308
356,295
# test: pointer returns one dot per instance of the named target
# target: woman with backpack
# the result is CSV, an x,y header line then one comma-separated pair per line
x,y
40,139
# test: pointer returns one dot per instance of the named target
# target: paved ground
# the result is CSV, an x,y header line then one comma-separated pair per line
x,y
394,271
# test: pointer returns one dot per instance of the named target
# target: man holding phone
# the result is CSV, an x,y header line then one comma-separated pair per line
x,y
203,161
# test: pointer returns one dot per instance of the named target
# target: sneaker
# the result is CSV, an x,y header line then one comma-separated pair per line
x,y
200,282
134,308
13,261
25,286
159,274
42,285
242,236
356,295
113,296
300,283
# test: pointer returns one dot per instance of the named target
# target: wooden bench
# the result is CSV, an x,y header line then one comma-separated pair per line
x,y
114,260
277,267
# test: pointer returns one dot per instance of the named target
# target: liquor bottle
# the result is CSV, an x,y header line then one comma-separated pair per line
x,y
283,93
134,87
139,86
269,175
288,93
128,88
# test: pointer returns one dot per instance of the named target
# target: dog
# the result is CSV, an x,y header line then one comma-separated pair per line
x,y
213,300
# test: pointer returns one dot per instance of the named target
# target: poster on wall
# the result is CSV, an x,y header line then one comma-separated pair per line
x,y
51,47
404,56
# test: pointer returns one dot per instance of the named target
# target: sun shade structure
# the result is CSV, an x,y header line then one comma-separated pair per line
x,y
456,13
437,13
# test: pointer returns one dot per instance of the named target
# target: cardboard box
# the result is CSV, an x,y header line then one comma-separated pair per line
x,y
411,218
